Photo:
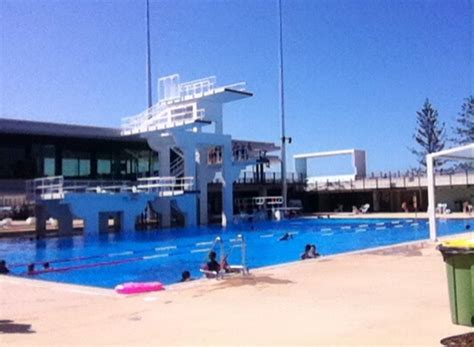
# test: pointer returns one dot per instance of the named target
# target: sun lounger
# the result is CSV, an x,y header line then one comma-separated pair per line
x,y
364,208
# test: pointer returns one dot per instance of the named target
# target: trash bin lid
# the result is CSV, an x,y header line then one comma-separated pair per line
x,y
461,243
460,246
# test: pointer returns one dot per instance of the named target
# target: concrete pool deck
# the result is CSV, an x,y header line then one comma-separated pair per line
x,y
389,296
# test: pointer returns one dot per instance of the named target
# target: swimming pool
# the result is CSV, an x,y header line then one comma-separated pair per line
x,y
106,260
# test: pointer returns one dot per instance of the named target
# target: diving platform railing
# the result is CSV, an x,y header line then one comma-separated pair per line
x,y
56,187
161,117
177,105
170,88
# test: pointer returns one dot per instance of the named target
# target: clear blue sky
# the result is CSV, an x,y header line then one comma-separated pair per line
x,y
356,70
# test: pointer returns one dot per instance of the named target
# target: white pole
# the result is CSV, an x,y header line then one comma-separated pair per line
x,y
284,187
431,197
148,56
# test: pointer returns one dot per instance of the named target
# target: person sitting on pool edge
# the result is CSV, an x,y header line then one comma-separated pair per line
x,y
305,254
212,265
3,267
186,276
313,252
310,252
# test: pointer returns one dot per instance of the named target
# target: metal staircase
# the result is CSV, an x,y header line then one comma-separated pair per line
x,y
177,165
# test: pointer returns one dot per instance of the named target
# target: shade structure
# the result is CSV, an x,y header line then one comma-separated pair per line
x,y
462,153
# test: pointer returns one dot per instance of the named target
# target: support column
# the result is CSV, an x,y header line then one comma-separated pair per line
x,y
164,204
431,197
202,186
227,189
65,224
128,220
190,171
91,223
375,196
41,217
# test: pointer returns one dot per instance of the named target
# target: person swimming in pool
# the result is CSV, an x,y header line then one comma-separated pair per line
x,y
31,269
186,276
286,237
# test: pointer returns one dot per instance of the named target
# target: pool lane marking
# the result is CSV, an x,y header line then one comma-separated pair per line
x,y
267,235
200,250
85,266
395,222
146,257
379,223
165,248
380,228
360,230
398,226
207,243
414,224
98,256
363,225
120,253
345,227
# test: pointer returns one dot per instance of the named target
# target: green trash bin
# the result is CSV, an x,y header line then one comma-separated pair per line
x,y
459,258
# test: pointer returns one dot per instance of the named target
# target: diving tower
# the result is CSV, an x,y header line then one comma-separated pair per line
x,y
184,129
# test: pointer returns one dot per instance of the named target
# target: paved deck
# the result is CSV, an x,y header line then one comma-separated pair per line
x,y
392,296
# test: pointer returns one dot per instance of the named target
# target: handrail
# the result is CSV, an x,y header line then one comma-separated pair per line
x,y
49,188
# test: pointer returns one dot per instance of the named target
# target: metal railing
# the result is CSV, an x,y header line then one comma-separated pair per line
x,y
389,182
197,88
383,181
165,184
250,177
161,117
45,188
55,188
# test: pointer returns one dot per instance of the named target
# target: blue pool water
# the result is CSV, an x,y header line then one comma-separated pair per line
x,y
161,255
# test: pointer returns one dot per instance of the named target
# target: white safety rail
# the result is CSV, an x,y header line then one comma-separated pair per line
x,y
269,201
55,188
204,87
456,179
177,105
162,117
165,185
197,88
46,188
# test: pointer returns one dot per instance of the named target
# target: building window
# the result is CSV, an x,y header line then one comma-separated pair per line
x,y
76,164
104,167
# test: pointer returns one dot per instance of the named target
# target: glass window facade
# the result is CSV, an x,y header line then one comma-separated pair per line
x,y
30,156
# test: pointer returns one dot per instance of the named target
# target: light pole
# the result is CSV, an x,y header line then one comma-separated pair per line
x,y
284,187
148,55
